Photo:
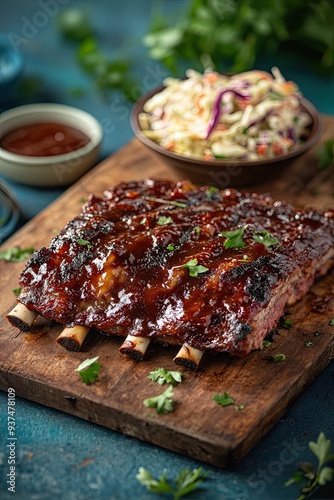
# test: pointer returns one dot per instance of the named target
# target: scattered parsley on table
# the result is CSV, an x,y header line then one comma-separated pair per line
x,y
89,370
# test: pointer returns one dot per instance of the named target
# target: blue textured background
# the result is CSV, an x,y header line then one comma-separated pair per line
x,y
59,456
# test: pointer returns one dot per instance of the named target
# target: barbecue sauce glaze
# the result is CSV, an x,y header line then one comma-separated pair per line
x,y
44,139
118,268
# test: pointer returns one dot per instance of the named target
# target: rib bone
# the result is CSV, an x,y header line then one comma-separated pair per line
x,y
189,357
73,338
22,317
135,347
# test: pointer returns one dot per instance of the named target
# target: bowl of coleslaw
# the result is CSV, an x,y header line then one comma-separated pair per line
x,y
235,129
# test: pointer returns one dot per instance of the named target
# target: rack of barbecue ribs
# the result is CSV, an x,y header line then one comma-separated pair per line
x,y
204,269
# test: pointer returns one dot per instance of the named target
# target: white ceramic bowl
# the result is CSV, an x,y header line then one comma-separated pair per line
x,y
57,170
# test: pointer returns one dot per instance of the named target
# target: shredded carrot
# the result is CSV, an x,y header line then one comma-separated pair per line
x,y
287,88
221,126
170,146
261,149
210,77
277,148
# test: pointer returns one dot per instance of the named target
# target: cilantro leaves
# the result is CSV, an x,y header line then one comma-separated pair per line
x,y
319,475
234,238
16,254
163,221
266,238
226,400
186,482
223,399
163,376
163,403
89,370
277,358
85,243
325,154
194,269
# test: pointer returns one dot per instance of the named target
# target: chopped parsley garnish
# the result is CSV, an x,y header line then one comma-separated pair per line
x,y
325,154
16,254
197,230
194,269
226,400
162,376
211,193
234,238
163,403
17,291
89,370
143,221
316,334
85,242
265,344
223,399
186,482
171,248
163,221
264,237
331,322
168,202
285,323
308,343
277,358
315,475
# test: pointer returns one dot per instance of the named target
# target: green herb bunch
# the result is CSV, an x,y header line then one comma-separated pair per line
x,y
230,35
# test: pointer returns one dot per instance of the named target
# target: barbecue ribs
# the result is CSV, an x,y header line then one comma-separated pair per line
x,y
149,259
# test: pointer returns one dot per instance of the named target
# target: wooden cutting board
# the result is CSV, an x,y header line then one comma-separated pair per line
x,y
40,370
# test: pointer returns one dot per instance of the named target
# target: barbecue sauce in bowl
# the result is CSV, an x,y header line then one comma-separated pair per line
x,y
44,139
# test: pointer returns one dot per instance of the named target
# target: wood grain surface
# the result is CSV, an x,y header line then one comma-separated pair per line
x,y
40,370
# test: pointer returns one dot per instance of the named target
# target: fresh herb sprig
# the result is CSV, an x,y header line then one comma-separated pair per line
x,y
186,482
278,358
89,370
325,155
315,475
163,403
285,323
234,238
265,238
226,400
194,269
231,35
84,243
162,376
108,75
223,399
16,254
163,220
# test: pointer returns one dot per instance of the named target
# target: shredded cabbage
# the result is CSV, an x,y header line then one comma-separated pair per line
x,y
249,116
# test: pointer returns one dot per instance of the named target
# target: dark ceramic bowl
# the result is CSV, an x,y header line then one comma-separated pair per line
x,y
225,173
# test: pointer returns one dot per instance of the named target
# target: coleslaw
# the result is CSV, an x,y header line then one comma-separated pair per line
x,y
250,116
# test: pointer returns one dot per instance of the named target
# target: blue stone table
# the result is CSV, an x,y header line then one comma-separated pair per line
x,y
62,457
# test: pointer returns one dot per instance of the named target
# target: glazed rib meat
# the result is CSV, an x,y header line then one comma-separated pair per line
x,y
149,259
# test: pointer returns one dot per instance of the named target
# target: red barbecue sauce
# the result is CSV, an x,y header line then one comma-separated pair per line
x,y
44,139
